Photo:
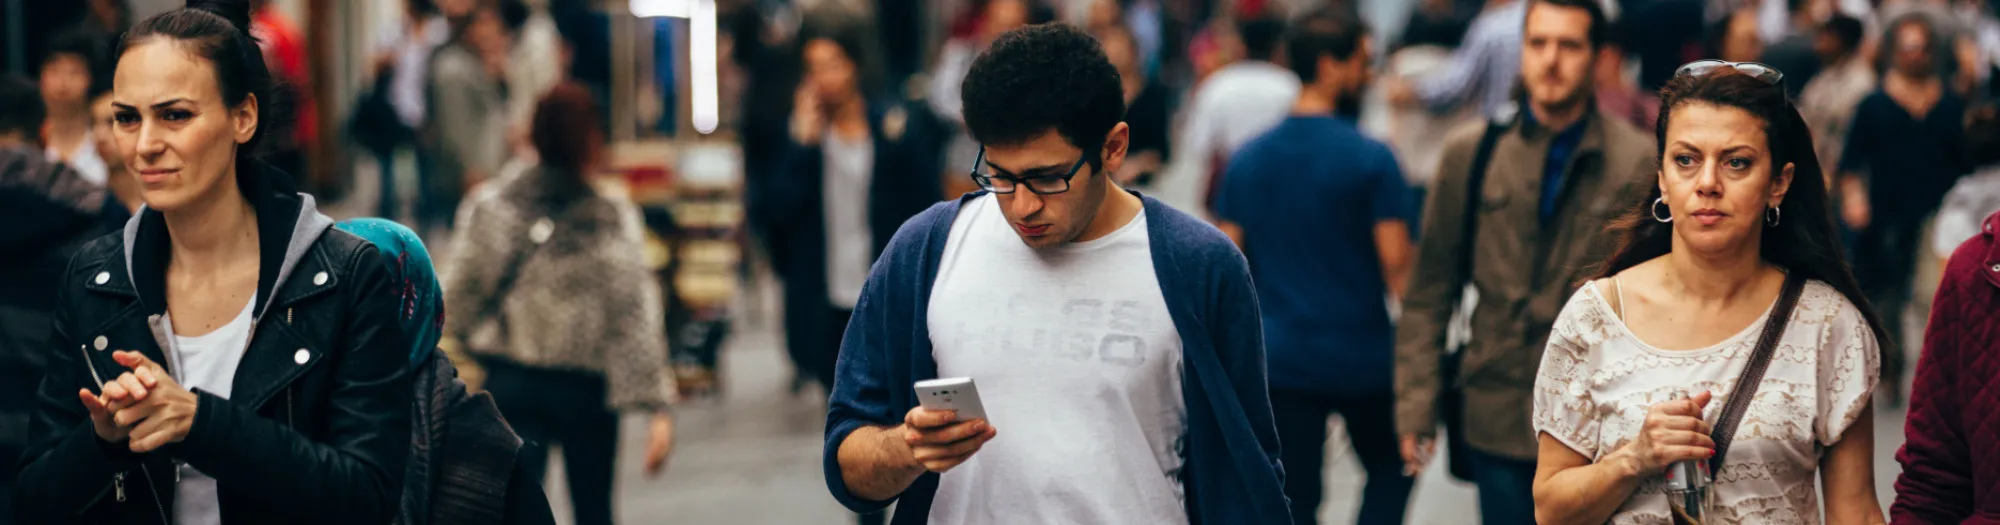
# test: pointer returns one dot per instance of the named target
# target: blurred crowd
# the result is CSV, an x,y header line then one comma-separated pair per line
x,y
849,118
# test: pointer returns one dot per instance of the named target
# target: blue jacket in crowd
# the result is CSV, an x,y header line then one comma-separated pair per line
x,y
1232,473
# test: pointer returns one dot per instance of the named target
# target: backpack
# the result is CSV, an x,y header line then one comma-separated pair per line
x,y
462,467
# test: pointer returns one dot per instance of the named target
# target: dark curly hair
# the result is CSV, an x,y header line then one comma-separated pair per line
x,y
1041,78
1804,241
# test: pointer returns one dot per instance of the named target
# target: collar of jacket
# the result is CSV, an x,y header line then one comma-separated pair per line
x,y
1987,233
1532,129
287,226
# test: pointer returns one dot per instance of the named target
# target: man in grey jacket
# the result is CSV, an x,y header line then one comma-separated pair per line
x,y
467,129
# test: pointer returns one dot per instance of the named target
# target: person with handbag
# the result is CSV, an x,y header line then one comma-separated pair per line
x,y
1517,212
1728,283
549,290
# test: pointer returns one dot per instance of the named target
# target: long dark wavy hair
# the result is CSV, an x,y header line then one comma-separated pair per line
x,y
1804,242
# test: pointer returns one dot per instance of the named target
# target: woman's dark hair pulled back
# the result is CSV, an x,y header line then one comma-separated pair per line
x,y
219,31
1804,242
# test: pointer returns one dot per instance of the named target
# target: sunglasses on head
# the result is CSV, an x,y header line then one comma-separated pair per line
x,y
1770,75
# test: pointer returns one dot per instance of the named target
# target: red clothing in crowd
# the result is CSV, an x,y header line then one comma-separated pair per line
x,y
1951,461
285,53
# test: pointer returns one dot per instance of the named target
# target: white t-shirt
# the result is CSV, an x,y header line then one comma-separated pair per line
x,y
1079,368
1597,381
850,246
1233,105
208,362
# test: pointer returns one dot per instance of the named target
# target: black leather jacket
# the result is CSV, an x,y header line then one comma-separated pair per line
x,y
317,427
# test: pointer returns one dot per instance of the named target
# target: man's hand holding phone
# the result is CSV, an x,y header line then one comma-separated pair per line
x,y
939,441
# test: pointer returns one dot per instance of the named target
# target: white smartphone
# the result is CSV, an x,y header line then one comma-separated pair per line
x,y
957,394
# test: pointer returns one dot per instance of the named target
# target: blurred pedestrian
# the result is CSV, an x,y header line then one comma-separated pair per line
x,y
1829,101
1797,53
1230,107
124,185
1115,339
50,211
984,21
1148,109
1663,34
1734,38
1734,238
1974,196
537,59
467,125
1441,23
1617,95
1483,70
553,297
108,17
858,165
1945,460
402,62
1911,132
308,423
852,174
1323,212
1516,212
67,73
283,44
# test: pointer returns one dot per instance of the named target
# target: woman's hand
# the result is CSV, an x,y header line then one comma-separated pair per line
x,y
659,444
1673,432
121,392
161,414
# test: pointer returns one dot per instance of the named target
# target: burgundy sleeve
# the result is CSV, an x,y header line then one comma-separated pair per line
x,y
1936,483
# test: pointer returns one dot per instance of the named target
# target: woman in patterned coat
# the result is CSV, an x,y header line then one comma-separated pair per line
x,y
547,287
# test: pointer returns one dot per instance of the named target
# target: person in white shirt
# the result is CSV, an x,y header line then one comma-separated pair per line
x,y
67,76
1113,338
1736,236
1233,105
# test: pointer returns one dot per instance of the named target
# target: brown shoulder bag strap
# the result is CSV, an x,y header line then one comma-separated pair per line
x,y
1760,360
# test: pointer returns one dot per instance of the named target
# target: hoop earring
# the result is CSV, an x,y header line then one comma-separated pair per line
x,y
1775,214
1656,211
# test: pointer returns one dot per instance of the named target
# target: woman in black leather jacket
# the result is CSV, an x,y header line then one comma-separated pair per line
x,y
230,358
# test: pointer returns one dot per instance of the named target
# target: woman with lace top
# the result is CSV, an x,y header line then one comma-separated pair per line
x,y
1740,207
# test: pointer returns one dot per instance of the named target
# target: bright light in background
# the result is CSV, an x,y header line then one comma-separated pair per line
x,y
701,52
660,8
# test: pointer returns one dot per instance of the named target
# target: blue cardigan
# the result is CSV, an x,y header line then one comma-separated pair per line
x,y
1232,474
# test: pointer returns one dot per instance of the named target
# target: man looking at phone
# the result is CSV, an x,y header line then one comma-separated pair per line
x,y
1115,339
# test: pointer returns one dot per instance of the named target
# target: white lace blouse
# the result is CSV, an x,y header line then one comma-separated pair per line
x,y
1597,381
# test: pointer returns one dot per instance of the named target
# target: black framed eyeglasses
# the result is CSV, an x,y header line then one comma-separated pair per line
x,y
1004,184
1770,75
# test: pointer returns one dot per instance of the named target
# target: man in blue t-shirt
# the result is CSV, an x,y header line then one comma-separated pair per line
x,y
1320,210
